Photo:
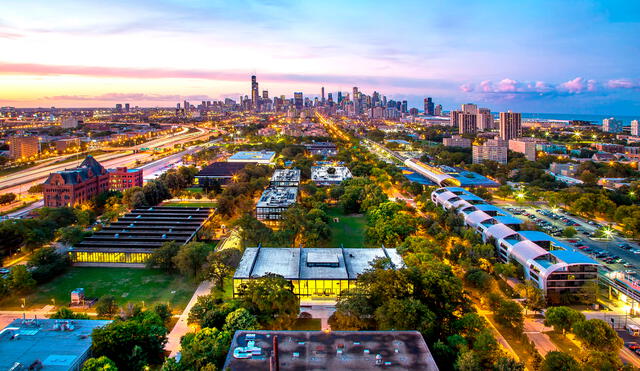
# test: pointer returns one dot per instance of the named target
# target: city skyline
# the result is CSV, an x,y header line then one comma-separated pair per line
x,y
530,58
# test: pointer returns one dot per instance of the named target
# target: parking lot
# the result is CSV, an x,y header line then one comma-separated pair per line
x,y
616,253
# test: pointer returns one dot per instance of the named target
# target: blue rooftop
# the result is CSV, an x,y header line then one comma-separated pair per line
x,y
508,219
416,177
253,156
573,257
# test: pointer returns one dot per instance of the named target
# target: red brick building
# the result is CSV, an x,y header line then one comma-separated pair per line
x,y
74,186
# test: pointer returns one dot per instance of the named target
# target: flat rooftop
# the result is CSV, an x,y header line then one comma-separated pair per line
x,y
328,173
222,169
286,175
58,347
336,350
278,197
311,263
148,228
252,156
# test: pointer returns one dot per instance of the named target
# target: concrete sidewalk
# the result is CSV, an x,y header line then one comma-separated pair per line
x,y
181,328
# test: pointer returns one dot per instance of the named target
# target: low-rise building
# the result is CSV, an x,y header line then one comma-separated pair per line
x,y
457,141
75,186
550,264
335,350
285,178
49,344
565,169
325,149
221,172
609,147
62,145
321,273
261,157
492,150
527,146
273,202
327,174
611,125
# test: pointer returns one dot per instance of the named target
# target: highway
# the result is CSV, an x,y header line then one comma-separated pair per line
x,y
20,182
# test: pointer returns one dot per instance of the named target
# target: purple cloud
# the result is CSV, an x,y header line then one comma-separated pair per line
x,y
117,97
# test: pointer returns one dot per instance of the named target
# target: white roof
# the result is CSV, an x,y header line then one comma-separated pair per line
x,y
499,231
526,250
477,217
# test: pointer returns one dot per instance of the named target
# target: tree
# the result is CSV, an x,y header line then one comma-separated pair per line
x,y
210,311
509,314
559,361
191,258
602,361
240,319
205,348
562,318
107,306
598,335
271,299
20,279
478,278
569,232
533,296
46,263
71,235
130,343
404,314
7,198
162,257
220,264
134,198
99,364
164,312
66,313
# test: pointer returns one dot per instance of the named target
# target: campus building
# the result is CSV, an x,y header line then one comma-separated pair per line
x,y
260,157
273,202
221,172
134,237
325,149
492,150
285,178
75,186
335,350
550,264
49,344
321,273
328,175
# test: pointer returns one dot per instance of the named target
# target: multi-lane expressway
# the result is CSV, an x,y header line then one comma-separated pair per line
x,y
20,182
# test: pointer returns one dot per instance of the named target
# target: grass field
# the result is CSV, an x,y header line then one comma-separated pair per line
x,y
126,284
190,204
349,231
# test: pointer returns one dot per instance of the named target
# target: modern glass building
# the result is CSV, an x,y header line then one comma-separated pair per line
x,y
316,273
135,236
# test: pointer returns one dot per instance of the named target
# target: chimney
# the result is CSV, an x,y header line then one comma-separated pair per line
x,y
274,364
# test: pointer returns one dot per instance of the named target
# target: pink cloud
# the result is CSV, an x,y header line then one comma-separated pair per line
x,y
467,88
577,85
623,84
117,97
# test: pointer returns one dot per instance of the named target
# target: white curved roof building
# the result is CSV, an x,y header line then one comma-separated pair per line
x,y
551,264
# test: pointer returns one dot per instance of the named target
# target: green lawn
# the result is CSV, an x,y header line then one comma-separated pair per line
x,y
126,284
349,231
190,204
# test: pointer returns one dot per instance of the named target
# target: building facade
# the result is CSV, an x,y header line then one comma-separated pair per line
x,y
492,150
23,147
611,125
548,263
510,125
74,186
526,146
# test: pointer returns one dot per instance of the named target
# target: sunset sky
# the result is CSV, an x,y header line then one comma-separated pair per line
x,y
531,56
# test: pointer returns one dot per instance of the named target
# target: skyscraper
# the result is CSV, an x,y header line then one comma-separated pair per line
x,y
485,119
127,107
404,107
339,97
635,128
470,108
322,93
611,125
467,123
265,94
510,125
429,107
438,110
298,100
255,92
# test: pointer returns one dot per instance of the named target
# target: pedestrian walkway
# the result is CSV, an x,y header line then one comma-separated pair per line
x,y
182,328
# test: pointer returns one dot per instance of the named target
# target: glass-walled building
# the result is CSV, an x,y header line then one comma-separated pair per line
x,y
316,273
